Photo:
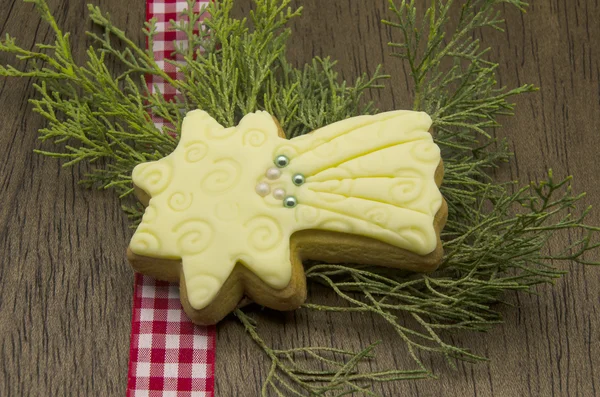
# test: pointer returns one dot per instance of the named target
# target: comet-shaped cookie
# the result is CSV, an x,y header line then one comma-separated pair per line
x,y
234,211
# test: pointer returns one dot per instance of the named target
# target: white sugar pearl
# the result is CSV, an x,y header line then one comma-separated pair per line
x,y
263,189
279,194
273,173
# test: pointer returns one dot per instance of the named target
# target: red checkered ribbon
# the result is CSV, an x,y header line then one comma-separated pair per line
x,y
169,356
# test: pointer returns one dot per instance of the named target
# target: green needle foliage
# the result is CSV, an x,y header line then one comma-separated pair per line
x,y
496,236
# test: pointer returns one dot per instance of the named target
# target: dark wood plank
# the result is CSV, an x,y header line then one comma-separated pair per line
x,y
65,287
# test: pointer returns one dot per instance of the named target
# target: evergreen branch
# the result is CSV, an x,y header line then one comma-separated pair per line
x,y
289,374
461,96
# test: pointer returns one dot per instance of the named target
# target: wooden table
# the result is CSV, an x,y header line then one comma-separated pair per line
x,y
66,289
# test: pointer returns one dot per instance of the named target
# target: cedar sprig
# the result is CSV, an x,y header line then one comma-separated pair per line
x,y
496,237
292,371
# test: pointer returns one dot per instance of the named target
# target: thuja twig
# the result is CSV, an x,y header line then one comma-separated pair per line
x,y
340,375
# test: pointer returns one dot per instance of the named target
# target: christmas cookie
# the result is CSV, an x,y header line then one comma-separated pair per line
x,y
234,211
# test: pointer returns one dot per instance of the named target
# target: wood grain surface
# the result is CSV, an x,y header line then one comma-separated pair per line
x,y
66,289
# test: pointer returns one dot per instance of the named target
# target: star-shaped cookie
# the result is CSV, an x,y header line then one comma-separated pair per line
x,y
234,211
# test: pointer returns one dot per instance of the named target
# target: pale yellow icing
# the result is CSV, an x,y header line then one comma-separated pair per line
x,y
368,175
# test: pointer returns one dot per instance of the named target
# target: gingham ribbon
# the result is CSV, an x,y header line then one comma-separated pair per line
x,y
169,356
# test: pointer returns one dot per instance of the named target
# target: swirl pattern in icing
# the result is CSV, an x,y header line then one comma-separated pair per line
x,y
254,138
145,241
152,177
370,175
223,176
264,233
195,151
193,236
180,201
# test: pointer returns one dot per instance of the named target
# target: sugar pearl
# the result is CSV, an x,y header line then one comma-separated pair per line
x,y
279,194
273,173
298,179
282,161
290,202
263,189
